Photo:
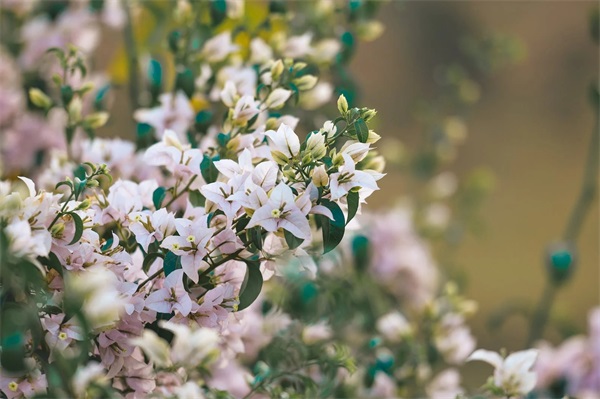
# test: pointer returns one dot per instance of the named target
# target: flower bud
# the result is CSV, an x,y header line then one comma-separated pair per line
x,y
57,230
74,109
87,86
316,146
305,82
342,104
277,98
373,137
320,177
96,120
280,157
39,98
277,70
369,114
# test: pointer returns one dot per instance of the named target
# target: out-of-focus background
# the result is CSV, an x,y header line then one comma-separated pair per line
x,y
531,128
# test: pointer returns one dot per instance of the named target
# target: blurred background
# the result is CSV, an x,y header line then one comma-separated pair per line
x,y
531,128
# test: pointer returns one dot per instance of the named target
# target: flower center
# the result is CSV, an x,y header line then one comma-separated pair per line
x,y
13,386
175,245
62,335
276,213
191,238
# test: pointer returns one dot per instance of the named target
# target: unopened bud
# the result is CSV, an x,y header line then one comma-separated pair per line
x,y
316,146
96,120
305,82
280,157
57,230
39,98
74,109
342,104
277,98
277,70
320,177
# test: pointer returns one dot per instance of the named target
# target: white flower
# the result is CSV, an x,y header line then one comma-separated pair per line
x,y
513,374
218,48
284,141
260,52
348,178
281,211
326,50
172,296
174,113
277,98
150,227
393,326
317,96
311,334
245,109
191,348
297,46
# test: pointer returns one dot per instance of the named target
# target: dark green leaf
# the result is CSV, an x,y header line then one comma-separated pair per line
x,y
208,169
353,201
185,82
155,74
292,241
218,11
196,198
150,258
333,230
362,131
158,196
78,227
251,286
172,262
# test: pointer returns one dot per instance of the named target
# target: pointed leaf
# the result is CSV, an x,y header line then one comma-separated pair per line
x,y
251,286
333,230
158,196
353,201
362,131
172,262
78,227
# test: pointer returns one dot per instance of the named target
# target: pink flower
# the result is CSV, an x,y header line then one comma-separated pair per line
x,y
190,244
171,297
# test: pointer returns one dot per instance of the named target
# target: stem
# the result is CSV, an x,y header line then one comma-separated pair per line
x,y
59,214
589,187
181,192
132,56
587,193
146,281
542,312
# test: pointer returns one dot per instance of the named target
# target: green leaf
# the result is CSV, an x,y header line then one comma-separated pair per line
x,y
251,286
150,258
155,73
353,200
362,131
158,196
196,198
292,241
78,227
172,262
333,230
218,11
208,169
185,82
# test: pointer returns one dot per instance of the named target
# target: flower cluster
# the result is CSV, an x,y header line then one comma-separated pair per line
x,y
129,276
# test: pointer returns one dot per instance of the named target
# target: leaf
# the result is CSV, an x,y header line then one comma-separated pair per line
x,y
362,131
333,230
292,241
172,262
158,196
155,73
208,168
196,198
353,201
251,286
78,227
185,82
150,258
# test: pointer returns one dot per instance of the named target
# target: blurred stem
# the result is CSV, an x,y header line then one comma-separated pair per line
x,y
587,193
588,187
540,317
132,56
